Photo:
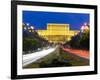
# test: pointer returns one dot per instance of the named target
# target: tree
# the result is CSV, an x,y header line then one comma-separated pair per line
x,y
81,40
31,39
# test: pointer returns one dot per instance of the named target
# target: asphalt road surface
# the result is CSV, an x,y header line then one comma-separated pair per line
x,y
29,58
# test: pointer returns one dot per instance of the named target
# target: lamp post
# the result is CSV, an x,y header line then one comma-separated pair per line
x,y
82,28
85,27
27,24
31,29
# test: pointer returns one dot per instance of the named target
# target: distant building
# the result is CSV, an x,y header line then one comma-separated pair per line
x,y
57,33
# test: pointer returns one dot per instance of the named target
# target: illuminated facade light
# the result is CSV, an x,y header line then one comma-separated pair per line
x,y
57,33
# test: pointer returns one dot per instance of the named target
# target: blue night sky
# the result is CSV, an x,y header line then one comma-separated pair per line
x,y
40,19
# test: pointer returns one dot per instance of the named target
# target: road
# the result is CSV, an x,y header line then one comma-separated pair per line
x,y
78,52
29,58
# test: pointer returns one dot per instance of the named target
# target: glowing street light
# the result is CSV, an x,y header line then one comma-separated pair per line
x,y
25,28
27,24
85,24
32,27
28,28
84,27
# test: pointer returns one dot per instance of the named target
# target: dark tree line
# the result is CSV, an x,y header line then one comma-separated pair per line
x,y
80,41
31,40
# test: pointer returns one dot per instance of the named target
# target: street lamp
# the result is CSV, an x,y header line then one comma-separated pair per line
x,y
27,24
85,24
25,28
32,27
82,28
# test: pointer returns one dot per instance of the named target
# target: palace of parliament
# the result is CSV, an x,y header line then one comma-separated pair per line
x,y
57,33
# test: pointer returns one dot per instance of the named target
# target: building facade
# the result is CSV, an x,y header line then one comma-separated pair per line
x,y
57,33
